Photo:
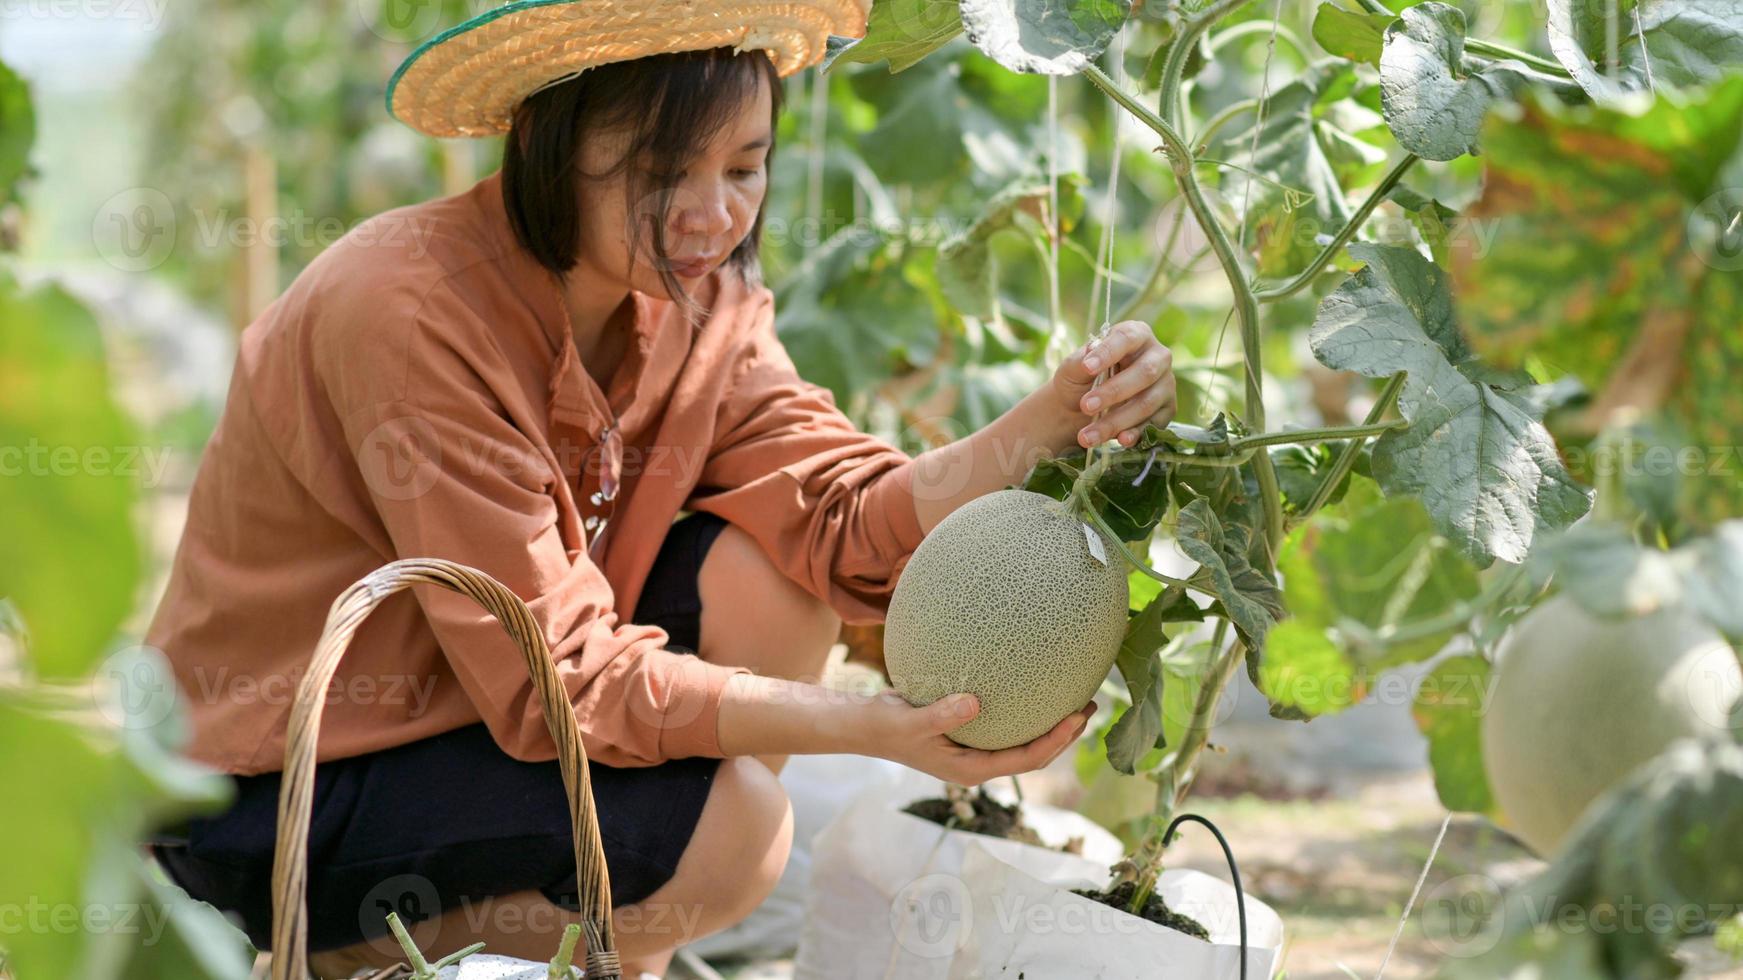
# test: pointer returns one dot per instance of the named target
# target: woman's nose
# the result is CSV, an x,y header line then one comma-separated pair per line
x,y
704,212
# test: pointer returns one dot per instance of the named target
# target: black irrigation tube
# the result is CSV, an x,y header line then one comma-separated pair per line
x,y
1234,873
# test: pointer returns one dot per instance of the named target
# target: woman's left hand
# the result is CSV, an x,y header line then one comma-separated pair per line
x,y
1140,389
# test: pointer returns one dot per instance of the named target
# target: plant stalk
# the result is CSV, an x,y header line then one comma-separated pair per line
x,y
1101,524
1347,459
1344,235
1146,863
1299,437
1183,765
1246,306
1459,614
1174,66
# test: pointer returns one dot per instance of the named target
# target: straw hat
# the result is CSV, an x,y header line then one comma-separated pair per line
x,y
467,81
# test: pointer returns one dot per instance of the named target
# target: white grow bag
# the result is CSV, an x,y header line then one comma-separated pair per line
x,y
1016,924
877,876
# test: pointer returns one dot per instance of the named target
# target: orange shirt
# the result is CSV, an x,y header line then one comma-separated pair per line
x,y
416,392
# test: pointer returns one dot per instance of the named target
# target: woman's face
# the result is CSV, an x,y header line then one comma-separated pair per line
x,y
714,203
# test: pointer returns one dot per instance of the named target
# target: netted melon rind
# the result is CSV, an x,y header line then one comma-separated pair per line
x,y
1003,599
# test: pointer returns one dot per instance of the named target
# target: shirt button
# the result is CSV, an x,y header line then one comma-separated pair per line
x,y
597,498
591,522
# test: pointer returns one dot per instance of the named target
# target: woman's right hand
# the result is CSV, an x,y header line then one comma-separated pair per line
x,y
900,732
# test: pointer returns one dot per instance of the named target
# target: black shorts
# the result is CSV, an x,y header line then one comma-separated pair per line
x,y
419,828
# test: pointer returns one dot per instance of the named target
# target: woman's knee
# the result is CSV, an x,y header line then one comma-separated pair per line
x,y
741,589
738,850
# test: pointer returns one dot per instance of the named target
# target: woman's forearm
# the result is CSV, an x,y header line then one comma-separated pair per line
x,y
775,716
1000,454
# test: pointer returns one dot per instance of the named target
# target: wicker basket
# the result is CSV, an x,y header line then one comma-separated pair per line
x,y
290,859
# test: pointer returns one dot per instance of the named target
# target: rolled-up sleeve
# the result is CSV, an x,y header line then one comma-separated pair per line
x,y
452,477
832,506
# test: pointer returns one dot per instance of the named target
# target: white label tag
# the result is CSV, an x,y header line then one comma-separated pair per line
x,y
1095,545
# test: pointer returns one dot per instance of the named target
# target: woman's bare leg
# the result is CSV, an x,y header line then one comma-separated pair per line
x,y
754,616
733,861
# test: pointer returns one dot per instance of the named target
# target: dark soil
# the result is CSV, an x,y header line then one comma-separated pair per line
x,y
1155,909
978,813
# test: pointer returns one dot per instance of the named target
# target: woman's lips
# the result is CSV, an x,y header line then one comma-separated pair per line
x,y
694,270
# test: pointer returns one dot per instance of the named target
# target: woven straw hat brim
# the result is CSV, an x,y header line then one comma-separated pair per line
x,y
468,80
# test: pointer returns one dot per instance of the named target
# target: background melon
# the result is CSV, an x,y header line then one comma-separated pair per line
x,y
1003,599
1581,701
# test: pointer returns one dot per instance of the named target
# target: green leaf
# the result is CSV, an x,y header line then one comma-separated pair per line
x,y
1658,43
197,941
1433,103
1301,469
1303,669
1488,472
1048,37
851,316
17,131
1139,728
1252,600
923,120
1352,573
898,31
1611,262
1435,223
1296,195
1354,36
69,559
967,269
1448,709
1131,495
1609,574
117,780
1660,840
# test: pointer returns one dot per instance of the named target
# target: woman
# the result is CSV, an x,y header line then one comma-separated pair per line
x,y
534,378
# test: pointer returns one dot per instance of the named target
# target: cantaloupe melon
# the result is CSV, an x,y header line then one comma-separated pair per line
x,y
1004,599
1581,701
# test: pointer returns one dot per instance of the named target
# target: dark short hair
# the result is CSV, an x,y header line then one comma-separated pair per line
x,y
675,103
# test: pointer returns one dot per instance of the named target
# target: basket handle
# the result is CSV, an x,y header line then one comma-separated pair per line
x,y
296,791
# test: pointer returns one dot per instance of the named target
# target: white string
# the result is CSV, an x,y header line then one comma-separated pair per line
x,y
819,129
1413,893
1105,251
1104,266
1262,117
1645,55
1055,327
